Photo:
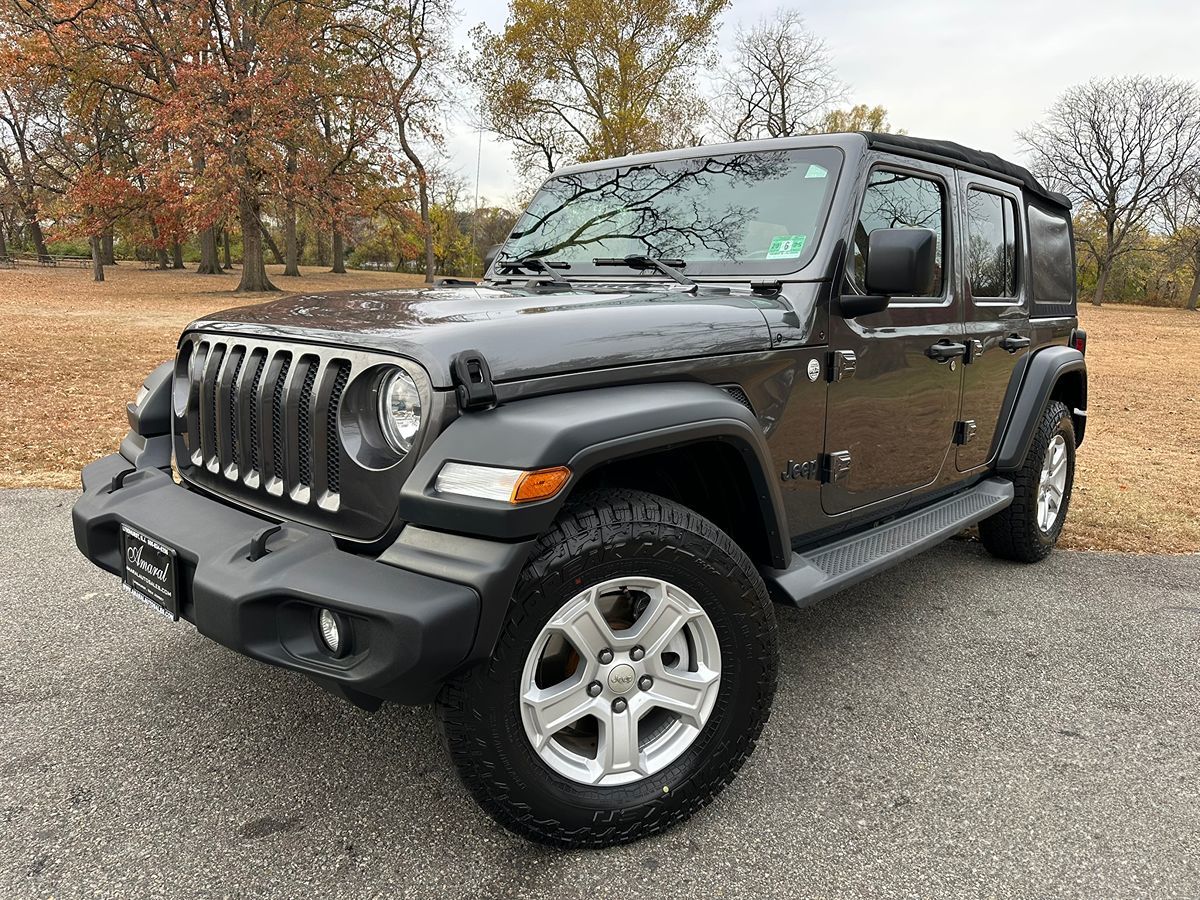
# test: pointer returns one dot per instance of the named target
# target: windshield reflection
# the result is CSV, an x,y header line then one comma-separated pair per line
x,y
713,211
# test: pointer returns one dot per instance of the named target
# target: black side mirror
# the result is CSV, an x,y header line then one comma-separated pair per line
x,y
900,262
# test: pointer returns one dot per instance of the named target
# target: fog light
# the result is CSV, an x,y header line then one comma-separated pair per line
x,y
332,629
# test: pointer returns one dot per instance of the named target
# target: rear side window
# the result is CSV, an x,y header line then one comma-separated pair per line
x,y
1052,262
991,244
898,200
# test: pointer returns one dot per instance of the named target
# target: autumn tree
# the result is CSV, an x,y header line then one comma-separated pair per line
x,y
1116,146
22,104
859,117
578,80
228,89
779,82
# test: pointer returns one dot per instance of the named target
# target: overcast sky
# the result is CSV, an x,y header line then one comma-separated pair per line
x,y
968,71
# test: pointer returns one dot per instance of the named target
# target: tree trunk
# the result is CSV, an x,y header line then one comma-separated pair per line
x,y
107,256
1194,293
3,242
39,239
322,255
422,193
1101,282
291,263
270,242
97,257
339,254
160,253
427,228
254,271
177,256
228,250
209,263
291,249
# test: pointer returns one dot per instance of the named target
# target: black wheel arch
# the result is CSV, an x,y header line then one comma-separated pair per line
x,y
1052,373
692,441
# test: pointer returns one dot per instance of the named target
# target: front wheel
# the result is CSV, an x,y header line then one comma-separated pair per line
x,y
1028,529
632,678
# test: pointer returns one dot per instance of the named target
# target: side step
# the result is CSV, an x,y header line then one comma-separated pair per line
x,y
826,570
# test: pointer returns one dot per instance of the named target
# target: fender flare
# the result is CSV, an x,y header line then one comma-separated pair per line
x,y
582,430
1044,371
147,444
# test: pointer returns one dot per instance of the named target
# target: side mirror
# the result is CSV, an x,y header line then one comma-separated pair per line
x,y
900,262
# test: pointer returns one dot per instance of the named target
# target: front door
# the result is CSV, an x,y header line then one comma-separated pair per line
x,y
996,309
890,421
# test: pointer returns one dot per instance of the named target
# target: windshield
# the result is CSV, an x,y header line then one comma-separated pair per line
x,y
757,212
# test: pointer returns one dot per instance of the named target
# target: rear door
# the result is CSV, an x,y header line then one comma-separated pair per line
x,y
996,309
890,420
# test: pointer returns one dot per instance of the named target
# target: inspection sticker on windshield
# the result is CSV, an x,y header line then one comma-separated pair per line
x,y
815,171
786,246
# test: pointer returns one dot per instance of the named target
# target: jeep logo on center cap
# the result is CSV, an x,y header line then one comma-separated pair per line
x,y
621,678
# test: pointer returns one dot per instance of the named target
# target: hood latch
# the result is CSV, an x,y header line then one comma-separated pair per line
x,y
472,381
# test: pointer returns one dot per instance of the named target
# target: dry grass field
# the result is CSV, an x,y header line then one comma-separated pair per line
x,y
72,352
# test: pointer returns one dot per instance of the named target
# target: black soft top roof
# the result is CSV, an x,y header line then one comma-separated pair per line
x,y
977,159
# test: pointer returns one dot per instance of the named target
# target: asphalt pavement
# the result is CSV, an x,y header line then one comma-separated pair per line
x,y
956,727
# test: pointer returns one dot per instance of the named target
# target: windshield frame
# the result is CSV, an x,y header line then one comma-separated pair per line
x,y
829,155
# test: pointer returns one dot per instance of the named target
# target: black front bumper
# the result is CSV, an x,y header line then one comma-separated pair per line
x,y
410,631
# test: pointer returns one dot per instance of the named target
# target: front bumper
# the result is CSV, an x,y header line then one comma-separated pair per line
x,y
410,631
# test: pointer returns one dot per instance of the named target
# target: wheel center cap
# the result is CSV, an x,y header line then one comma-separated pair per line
x,y
621,678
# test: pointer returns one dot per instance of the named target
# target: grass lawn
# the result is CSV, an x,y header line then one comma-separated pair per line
x,y
74,352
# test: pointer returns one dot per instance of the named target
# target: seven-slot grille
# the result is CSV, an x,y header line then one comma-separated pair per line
x,y
265,417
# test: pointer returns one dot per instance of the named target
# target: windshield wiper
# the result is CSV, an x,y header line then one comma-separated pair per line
x,y
538,265
668,267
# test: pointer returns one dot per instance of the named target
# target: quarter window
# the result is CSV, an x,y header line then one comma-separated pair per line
x,y
899,200
991,244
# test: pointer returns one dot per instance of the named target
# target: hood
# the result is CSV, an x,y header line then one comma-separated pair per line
x,y
523,333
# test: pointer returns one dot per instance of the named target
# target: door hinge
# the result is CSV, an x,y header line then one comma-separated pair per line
x,y
974,351
835,466
964,432
842,364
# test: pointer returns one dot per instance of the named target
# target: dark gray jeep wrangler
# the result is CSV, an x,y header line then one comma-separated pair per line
x,y
559,503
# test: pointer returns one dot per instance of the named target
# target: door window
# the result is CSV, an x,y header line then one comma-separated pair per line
x,y
991,245
899,200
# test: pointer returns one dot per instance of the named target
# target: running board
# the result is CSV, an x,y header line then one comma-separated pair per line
x,y
822,571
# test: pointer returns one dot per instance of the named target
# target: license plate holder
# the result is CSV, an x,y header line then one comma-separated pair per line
x,y
151,571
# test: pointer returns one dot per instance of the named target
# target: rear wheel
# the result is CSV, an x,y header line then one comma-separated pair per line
x,y
630,682
1028,529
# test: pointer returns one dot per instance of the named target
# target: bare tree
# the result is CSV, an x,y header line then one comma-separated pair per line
x,y
407,45
1181,215
21,107
1117,146
781,81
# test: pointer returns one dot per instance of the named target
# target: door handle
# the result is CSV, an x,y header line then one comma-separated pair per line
x,y
944,351
1014,342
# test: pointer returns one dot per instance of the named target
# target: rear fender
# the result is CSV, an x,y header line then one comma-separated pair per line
x,y
1053,373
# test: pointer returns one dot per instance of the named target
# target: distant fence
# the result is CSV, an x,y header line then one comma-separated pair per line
x,y
48,260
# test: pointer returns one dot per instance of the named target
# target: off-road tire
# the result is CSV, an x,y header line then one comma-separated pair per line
x,y
1014,533
604,535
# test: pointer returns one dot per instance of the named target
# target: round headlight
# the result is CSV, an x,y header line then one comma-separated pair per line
x,y
399,410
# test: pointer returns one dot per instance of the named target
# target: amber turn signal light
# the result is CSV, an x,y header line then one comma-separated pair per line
x,y
540,484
